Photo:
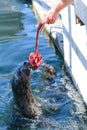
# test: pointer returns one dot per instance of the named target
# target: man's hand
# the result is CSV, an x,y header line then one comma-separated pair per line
x,y
50,17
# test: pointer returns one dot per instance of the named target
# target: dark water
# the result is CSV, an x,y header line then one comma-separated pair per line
x,y
62,105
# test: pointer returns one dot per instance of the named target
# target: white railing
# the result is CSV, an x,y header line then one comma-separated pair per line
x,y
81,10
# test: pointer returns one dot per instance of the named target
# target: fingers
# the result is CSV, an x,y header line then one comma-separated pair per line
x,y
50,18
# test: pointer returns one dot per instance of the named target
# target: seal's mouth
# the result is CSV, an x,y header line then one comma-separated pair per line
x,y
27,65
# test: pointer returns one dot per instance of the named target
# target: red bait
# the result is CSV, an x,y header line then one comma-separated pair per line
x,y
35,58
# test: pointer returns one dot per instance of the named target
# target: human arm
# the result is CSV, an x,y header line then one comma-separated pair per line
x,y
51,16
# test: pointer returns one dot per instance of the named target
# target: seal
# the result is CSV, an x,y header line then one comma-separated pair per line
x,y
48,71
22,93
23,97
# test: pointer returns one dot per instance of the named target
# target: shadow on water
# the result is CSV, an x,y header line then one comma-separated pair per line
x,y
62,105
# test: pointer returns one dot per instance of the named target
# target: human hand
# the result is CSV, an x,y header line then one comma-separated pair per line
x,y
50,17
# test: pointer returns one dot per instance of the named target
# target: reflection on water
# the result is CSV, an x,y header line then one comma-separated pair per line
x,y
63,107
10,20
10,24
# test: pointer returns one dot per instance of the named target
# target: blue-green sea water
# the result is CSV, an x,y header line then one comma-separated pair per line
x,y
62,105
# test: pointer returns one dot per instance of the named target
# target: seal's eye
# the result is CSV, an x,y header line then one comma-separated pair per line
x,y
25,63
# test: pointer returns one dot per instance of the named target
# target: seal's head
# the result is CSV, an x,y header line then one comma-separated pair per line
x,y
25,69
48,71
21,79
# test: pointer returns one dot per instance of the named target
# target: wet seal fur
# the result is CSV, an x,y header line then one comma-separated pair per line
x,y
22,93
48,72
23,97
